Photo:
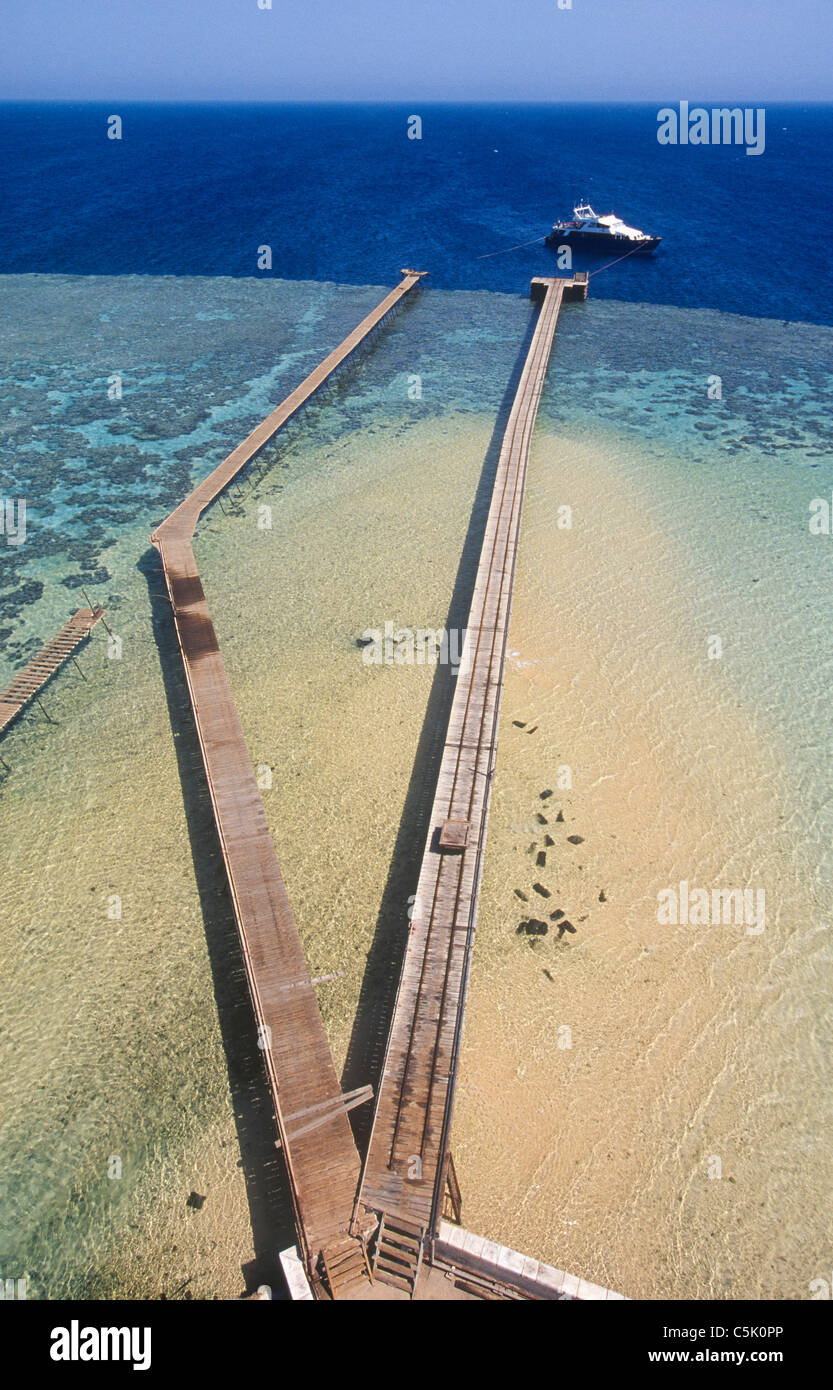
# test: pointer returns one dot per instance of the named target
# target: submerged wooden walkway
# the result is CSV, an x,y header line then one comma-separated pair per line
x,y
310,1109
405,1170
31,678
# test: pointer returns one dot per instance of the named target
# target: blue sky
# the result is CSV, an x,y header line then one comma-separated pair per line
x,y
416,50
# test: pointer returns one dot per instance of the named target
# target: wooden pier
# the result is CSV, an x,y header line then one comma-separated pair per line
x,y
183,520
311,1112
31,678
405,1172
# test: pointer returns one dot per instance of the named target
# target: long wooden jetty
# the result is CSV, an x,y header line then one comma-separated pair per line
x,y
405,1171
310,1110
29,681
183,520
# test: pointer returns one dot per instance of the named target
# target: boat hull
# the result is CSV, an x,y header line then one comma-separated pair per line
x,y
593,241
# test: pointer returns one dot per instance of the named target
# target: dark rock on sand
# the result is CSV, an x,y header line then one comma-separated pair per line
x,y
533,926
575,839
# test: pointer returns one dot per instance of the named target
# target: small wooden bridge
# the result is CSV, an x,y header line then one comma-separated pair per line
x,y
311,1111
407,1167
31,678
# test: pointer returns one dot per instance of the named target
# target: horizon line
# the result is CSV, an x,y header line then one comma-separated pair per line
x,y
401,101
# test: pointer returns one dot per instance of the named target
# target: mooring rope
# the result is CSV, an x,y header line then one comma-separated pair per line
x,y
504,249
616,262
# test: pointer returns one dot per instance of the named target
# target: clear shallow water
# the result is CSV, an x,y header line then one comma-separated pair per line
x,y
688,1044
690,519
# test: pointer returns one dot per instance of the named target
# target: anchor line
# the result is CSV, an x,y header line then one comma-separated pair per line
x,y
504,250
616,262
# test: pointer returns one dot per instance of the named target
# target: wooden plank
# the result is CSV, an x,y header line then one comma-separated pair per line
x,y
321,1157
28,682
403,1176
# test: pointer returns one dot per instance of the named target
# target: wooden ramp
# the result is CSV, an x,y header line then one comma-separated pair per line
x,y
404,1173
31,678
311,1112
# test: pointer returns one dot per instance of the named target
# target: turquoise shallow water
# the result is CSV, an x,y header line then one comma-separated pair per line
x,y
200,361
690,519
193,379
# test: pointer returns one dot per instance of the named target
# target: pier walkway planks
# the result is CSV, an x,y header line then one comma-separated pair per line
x,y
183,520
404,1172
311,1113
31,678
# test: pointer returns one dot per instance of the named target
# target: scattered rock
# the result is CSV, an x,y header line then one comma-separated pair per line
x,y
524,897
575,839
603,896
519,724
546,794
539,888
363,641
541,859
533,729
542,820
532,926
196,1201
557,915
565,926
549,976
549,841
560,816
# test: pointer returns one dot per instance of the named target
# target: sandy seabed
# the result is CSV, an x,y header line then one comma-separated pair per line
x,y
127,1035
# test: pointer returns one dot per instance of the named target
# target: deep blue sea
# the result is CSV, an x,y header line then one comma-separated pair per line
x,y
341,193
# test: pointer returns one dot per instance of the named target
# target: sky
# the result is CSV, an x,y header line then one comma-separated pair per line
x,y
746,51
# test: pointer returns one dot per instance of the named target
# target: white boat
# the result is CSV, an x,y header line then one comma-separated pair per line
x,y
591,232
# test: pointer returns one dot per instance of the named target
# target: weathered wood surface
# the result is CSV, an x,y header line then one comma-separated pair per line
x,y
321,1159
28,682
404,1171
184,518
